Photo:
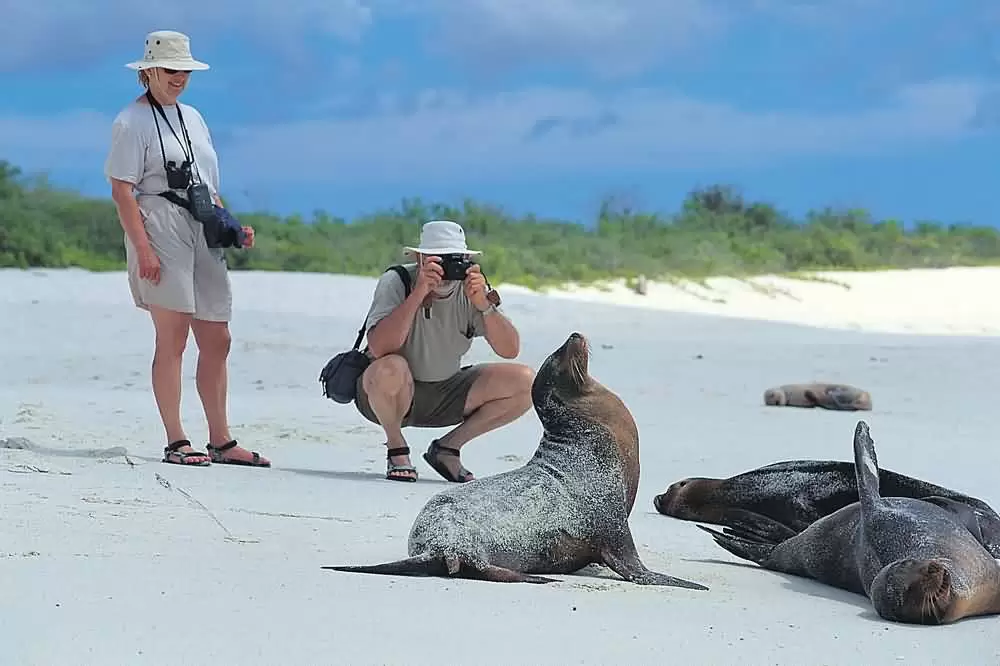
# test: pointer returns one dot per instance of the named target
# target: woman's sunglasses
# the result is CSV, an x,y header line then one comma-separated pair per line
x,y
176,71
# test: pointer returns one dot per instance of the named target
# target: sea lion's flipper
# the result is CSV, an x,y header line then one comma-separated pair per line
x,y
420,565
624,560
963,513
444,567
754,551
501,575
752,526
866,468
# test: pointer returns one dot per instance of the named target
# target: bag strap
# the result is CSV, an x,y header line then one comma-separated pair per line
x,y
404,276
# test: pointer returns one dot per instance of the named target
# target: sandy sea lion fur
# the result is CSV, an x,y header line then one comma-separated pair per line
x,y
566,508
915,561
797,493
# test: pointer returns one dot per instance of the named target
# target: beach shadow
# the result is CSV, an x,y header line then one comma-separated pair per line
x,y
806,586
24,444
354,476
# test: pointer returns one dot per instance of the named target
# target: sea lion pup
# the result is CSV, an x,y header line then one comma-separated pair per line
x,y
914,560
564,509
797,493
841,397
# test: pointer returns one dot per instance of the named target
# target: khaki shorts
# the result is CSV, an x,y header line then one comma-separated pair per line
x,y
194,278
434,404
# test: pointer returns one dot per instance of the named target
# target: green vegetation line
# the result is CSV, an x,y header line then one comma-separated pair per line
x,y
715,233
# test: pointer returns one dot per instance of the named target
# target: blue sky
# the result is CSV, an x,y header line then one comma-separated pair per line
x,y
547,107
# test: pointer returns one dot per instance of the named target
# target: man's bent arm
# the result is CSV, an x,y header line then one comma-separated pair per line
x,y
501,335
389,333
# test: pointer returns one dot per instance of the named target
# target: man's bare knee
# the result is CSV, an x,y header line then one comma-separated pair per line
x,y
387,376
522,378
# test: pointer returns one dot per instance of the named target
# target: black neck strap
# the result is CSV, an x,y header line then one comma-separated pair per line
x,y
189,151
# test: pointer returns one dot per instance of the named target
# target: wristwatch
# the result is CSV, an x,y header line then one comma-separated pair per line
x,y
493,296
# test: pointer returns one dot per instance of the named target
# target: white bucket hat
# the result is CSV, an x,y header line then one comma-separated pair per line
x,y
442,237
167,49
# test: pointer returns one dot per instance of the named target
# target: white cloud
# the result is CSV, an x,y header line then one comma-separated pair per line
x,y
445,136
74,33
608,36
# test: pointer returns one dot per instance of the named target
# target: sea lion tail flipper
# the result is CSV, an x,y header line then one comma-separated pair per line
x,y
964,514
419,565
752,526
746,549
866,466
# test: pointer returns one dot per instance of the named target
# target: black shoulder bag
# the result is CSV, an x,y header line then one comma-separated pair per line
x,y
340,375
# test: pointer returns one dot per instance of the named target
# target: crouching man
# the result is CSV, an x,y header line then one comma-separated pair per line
x,y
417,343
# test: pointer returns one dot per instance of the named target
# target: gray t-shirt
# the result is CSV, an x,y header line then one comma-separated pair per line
x,y
435,346
135,155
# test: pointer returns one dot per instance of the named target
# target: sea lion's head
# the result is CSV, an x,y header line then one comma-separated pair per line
x,y
775,397
692,498
914,591
562,381
572,405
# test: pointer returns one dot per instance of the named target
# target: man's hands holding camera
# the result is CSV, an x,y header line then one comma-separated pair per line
x,y
432,273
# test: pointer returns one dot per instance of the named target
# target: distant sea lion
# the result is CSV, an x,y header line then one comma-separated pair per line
x,y
841,397
566,508
913,560
797,493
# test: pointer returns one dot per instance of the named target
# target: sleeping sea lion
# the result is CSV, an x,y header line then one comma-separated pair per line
x,y
914,560
841,397
566,508
797,493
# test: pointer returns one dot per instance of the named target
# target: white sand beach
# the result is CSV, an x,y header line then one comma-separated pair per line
x,y
109,557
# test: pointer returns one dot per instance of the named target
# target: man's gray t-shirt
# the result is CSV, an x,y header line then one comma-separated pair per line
x,y
135,155
436,344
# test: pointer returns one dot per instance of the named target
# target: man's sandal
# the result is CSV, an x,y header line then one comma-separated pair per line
x,y
431,456
172,456
215,452
392,469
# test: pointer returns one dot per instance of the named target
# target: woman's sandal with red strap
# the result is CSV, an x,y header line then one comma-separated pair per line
x,y
173,456
215,452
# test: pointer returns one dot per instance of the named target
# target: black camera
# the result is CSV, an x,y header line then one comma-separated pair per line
x,y
178,177
455,266
200,203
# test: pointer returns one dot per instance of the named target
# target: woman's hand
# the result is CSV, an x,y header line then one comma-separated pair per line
x,y
248,242
149,265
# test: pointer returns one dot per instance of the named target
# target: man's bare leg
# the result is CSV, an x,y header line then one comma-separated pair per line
x,y
500,395
389,386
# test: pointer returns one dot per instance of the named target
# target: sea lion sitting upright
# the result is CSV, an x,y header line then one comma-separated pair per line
x,y
566,508
913,560
840,397
797,493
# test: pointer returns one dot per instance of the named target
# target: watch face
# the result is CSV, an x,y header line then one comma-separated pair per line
x,y
493,297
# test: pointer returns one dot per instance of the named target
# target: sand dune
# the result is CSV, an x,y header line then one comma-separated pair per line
x,y
109,557
951,301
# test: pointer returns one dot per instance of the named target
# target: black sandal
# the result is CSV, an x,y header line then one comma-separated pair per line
x,y
173,456
392,468
215,453
431,456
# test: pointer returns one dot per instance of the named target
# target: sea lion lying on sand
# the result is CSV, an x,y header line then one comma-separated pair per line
x,y
915,561
797,493
565,509
841,397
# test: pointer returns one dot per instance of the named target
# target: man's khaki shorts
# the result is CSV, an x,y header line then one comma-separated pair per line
x,y
194,278
434,404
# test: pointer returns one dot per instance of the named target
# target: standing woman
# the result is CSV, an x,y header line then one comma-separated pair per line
x,y
159,145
